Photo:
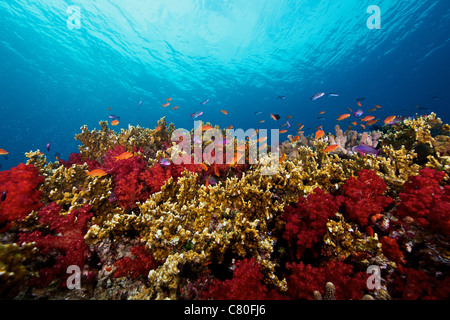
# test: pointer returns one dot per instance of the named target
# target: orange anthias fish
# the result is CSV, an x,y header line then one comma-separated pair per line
x,y
377,106
372,110
275,117
262,121
224,111
158,128
96,173
216,171
319,127
124,156
3,152
321,112
174,108
331,148
288,117
114,122
368,118
169,99
166,104
109,108
354,123
371,122
363,126
343,116
230,127
282,158
319,134
301,127
283,131
206,127
295,139
204,166
389,119
359,104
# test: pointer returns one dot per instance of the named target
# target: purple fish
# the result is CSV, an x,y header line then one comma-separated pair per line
x,y
317,96
113,117
358,113
365,149
140,102
332,94
288,124
212,181
196,114
205,102
48,146
164,162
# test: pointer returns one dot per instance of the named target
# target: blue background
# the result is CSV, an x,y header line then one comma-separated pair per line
x,y
239,54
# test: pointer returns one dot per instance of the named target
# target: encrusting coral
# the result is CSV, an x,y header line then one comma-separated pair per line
x,y
148,228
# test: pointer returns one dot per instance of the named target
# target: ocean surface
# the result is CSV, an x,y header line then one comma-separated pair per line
x,y
64,63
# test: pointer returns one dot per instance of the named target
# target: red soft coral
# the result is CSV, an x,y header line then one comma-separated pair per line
x,y
424,200
76,158
22,195
128,174
364,197
246,284
391,250
305,279
142,263
412,284
63,235
306,221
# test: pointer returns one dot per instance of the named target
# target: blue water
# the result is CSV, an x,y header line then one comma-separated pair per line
x,y
240,54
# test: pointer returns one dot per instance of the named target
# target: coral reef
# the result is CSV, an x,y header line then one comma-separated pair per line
x,y
148,228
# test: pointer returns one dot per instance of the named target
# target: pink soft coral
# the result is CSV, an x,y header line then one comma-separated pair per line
x,y
424,200
63,235
364,197
306,221
22,194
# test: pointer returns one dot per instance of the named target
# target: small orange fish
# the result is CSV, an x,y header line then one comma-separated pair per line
x,y
261,140
124,156
282,158
359,104
114,122
321,112
343,116
372,110
216,170
284,125
230,127
354,123
389,119
301,127
169,99
109,108
96,173
206,127
262,121
224,111
331,148
3,152
275,117
204,166
319,127
368,118
283,131
377,106
299,124
175,108
158,128
319,134
263,146
288,117
166,104
363,126
371,122
295,139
